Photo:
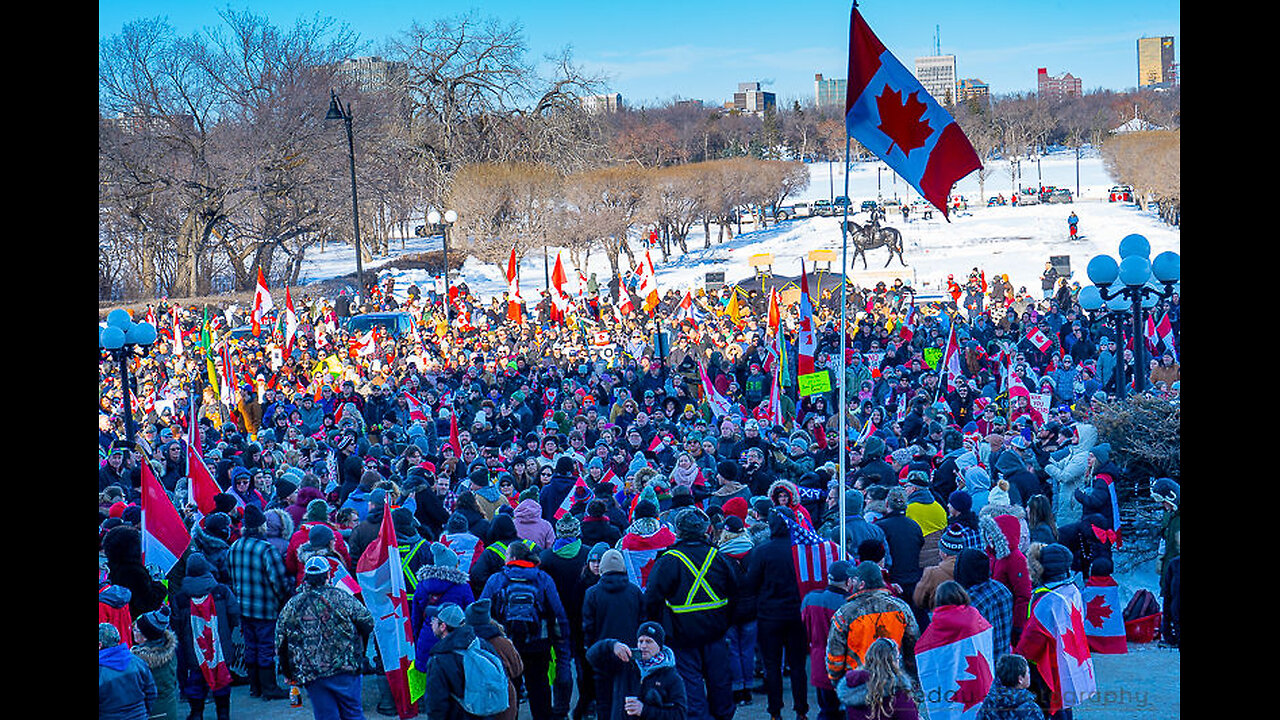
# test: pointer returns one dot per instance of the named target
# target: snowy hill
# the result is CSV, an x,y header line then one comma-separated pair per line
x,y
1013,240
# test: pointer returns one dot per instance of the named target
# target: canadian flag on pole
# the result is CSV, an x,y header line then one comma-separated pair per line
x,y
951,360
775,403
720,405
364,345
1153,338
1039,339
290,323
559,300
204,489
177,332
164,537
648,284
416,408
261,303
514,301
1165,332
807,340
382,586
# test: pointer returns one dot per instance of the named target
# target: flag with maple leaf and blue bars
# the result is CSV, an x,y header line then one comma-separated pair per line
x,y
812,553
893,116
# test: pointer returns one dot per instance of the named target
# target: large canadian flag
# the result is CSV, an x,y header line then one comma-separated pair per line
x,y
806,341
1055,640
383,589
261,303
514,301
1103,616
648,284
956,660
951,360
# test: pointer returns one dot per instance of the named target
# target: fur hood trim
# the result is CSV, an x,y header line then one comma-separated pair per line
x,y
157,654
447,574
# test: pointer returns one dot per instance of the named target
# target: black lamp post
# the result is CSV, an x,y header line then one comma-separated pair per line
x,y
450,217
337,112
1136,275
124,339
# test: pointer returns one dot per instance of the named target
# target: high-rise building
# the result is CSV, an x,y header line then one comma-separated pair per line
x,y
750,98
973,89
1156,66
937,73
829,92
1053,87
373,74
599,104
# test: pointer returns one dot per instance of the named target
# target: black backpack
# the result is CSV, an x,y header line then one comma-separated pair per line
x,y
1142,604
520,610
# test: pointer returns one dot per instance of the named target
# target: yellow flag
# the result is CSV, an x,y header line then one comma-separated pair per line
x,y
734,311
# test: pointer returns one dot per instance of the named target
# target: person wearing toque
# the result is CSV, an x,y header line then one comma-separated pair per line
x,y
643,681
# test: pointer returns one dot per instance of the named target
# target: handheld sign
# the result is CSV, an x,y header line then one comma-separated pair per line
x,y
816,382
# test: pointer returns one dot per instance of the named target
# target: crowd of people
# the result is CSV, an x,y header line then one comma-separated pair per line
x,y
576,519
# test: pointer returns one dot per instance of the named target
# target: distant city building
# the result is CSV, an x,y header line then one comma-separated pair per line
x,y
1156,66
688,103
139,121
601,104
829,92
1053,87
373,74
751,99
973,89
937,73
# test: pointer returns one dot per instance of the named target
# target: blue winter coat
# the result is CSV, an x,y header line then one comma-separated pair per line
x,y
436,586
126,690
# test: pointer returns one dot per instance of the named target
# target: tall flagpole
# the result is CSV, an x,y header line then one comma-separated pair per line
x,y
844,341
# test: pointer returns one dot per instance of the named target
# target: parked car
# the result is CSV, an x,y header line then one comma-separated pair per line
x,y
841,204
801,209
1059,195
868,205
1120,193
394,324
1028,196
822,208
997,200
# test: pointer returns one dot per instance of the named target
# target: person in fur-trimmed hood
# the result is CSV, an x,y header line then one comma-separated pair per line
x,y
157,646
438,583
784,493
1003,537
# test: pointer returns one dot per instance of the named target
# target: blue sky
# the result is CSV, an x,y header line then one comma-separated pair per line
x,y
660,49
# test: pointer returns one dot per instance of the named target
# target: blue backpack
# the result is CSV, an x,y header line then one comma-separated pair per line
x,y
485,693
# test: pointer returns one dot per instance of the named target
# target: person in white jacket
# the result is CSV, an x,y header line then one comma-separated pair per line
x,y
1068,472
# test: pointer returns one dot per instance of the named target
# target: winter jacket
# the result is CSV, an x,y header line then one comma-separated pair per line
x,y
1069,472
113,608
669,585
511,662
599,529
436,586
322,632
771,575
553,613
123,549
905,541
1098,497
126,690
931,578
1002,537
612,608
659,687
226,606
900,707
258,577
816,611
554,493
530,524
161,657
1007,703
869,615
445,675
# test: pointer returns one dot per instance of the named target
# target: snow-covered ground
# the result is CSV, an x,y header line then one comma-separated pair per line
x,y
1013,240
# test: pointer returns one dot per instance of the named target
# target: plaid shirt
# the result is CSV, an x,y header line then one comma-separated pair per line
x,y
257,577
995,602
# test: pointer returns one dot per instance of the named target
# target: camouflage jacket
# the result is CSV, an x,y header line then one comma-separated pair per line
x,y
322,632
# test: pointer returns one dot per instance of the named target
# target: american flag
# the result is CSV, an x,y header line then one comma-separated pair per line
x,y
813,555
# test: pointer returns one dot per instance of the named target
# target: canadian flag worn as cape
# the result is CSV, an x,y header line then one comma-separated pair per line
x,y
640,551
891,114
164,536
956,662
382,585
1054,639
208,644
1103,616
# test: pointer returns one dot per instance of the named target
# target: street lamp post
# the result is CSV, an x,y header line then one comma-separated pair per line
x,y
1142,284
338,112
450,217
123,339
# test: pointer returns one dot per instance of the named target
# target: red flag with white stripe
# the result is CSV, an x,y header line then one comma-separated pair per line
x,y
204,489
956,662
571,498
178,348
261,303
417,410
164,536
514,301
382,586
1164,330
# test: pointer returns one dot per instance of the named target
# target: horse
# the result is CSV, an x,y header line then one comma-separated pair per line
x,y
872,236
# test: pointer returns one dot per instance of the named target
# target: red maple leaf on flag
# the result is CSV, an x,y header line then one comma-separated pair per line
x,y
1097,611
205,643
901,121
1075,643
973,690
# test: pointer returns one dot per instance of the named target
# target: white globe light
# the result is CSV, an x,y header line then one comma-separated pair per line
x,y
450,217
433,217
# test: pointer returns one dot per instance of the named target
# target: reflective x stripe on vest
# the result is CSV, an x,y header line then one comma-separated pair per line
x,y
405,559
699,581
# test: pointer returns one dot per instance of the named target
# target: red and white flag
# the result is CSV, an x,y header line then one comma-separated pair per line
x,y
365,344
290,323
956,661
806,341
208,643
382,586
720,405
417,410
1039,339
177,332
573,496
514,301
203,488
951,360
1103,616
559,299
1164,330
1055,640
340,578
625,307
775,404
164,537
1019,389
648,284
261,303
454,438
868,429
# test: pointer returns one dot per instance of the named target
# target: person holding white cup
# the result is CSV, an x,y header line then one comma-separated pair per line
x,y
644,679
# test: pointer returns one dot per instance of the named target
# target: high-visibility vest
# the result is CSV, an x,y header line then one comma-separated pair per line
x,y
713,600
406,556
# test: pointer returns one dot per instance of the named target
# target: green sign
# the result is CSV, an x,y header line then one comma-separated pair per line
x,y
932,356
813,383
